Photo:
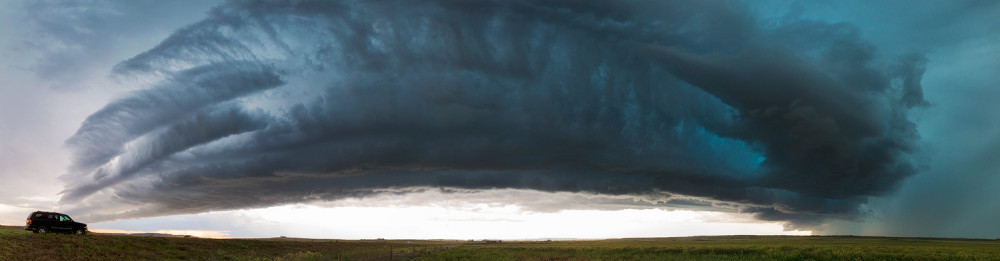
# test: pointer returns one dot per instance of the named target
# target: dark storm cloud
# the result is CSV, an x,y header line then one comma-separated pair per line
x,y
957,43
105,133
266,103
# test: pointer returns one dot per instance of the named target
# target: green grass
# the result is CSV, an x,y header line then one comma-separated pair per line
x,y
733,248
17,244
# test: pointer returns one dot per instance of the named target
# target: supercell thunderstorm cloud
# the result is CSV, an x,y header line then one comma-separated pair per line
x,y
266,103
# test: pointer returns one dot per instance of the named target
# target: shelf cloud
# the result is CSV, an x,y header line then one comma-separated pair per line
x,y
273,102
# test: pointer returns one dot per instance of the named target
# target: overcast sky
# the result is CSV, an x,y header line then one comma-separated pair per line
x,y
503,119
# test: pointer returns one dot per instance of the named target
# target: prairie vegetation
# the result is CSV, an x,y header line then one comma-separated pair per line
x,y
733,248
16,244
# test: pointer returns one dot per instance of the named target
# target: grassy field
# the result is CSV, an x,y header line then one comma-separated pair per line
x,y
16,244
733,248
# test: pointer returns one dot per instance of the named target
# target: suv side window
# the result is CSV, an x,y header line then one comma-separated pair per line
x,y
38,215
51,216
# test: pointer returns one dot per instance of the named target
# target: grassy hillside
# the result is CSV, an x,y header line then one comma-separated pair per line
x,y
16,244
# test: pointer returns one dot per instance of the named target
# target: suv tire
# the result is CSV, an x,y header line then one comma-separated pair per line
x,y
79,232
42,230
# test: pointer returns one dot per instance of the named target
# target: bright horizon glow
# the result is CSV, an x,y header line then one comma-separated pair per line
x,y
7,211
507,214
509,222
194,233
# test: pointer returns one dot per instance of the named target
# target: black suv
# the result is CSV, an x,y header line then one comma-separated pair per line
x,y
44,222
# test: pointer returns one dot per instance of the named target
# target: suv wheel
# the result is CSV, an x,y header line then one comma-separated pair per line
x,y
80,232
41,230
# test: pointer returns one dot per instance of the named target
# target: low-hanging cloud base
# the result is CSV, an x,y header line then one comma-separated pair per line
x,y
266,103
